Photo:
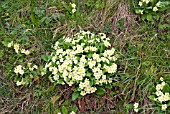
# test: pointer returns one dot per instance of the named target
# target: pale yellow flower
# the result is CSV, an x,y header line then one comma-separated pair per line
x,y
155,9
140,3
147,1
162,84
35,66
155,99
9,44
31,68
73,10
16,47
161,98
159,93
164,106
158,4
21,72
73,6
31,76
72,112
107,44
161,79
18,83
27,52
159,87
83,93
136,109
29,64
22,50
136,105
141,11
56,77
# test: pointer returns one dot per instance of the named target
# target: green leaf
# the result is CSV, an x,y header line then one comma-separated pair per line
x,y
33,20
149,17
75,109
75,95
149,7
151,97
100,91
102,47
55,98
5,43
143,17
45,58
113,93
166,88
109,86
64,110
128,106
168,104
88,74
137,11
91,81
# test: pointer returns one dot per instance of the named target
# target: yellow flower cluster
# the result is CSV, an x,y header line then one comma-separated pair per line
x,y
147,1
142,1
26,52
136,107
20,83
84,60
16,47
158,4
20,70
73,7
162,97
155,8
72,112
86,88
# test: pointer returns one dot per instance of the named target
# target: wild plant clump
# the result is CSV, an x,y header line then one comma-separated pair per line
x,y
161,95
149,8
85,60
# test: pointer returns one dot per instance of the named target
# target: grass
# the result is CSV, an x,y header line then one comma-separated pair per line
x,y
143,56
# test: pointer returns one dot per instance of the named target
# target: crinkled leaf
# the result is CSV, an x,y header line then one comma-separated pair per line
x,y
100,91
149,7
75,95
151,97
45,58
166,88
143,17
128,106
75,108
137,11
109,86
149,17
88,74
5,43
64,110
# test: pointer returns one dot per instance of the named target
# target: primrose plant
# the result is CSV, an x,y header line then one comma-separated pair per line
x,y
24,73
148,9
161,95
84,60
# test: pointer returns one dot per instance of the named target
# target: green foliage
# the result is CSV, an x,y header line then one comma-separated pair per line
x,y
100,91
161,97
148,9
75,95
37,25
